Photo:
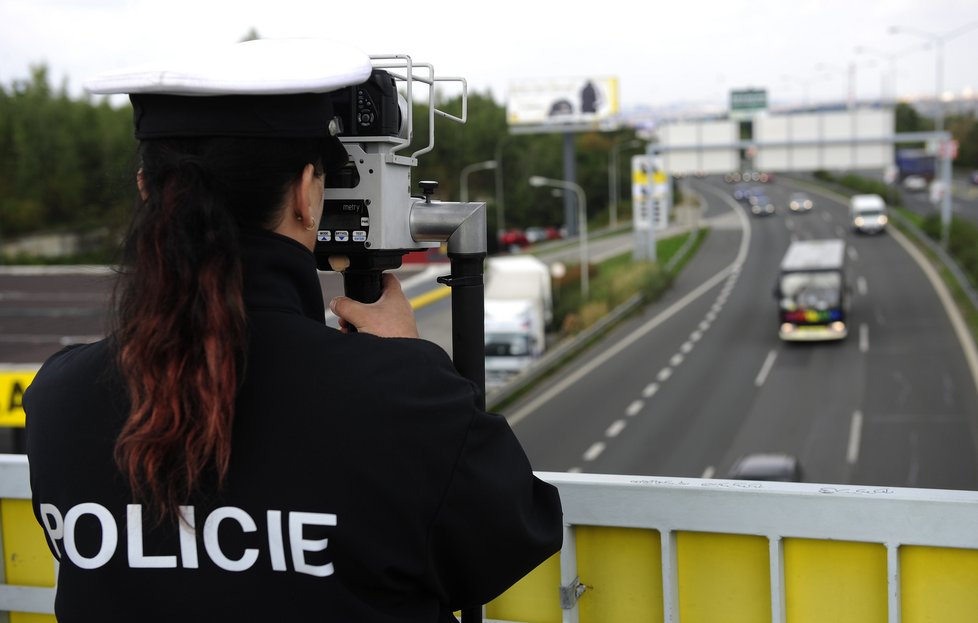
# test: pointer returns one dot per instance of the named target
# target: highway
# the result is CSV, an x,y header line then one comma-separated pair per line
x,y
700,377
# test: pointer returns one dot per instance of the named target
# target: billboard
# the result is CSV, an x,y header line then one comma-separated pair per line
x,y
585,102
745,103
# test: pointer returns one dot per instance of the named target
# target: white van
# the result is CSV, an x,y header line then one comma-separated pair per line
x,y
868,214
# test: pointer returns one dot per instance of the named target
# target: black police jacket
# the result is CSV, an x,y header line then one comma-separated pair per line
x,y
365,483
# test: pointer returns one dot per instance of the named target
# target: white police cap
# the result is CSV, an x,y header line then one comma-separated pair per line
x,y
260,88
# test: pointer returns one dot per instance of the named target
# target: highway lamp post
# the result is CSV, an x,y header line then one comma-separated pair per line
x,y
613,176
464,176
938,41
805,85
886,93
890,58
850,71
538,181
500,213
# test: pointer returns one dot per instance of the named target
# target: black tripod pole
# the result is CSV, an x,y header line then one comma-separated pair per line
x,y
468,318
463,226
468,338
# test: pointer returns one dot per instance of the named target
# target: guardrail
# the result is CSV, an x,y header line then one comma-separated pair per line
x,y
700,551
654,549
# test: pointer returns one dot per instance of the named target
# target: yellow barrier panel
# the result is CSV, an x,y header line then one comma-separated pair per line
x,y
622,569
723,578
12,386
939,585
838,581
534,599
27,560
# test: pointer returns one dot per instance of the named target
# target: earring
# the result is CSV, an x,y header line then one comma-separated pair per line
x,y
311,225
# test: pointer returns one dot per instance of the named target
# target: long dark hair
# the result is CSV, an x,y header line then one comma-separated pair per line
x,y
180,328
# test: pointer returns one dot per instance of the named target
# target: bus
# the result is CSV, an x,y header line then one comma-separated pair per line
x,y
812,291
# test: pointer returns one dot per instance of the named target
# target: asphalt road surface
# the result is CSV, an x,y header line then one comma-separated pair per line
x,y
701,378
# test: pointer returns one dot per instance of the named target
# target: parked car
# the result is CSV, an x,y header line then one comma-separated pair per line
x,y
766,466
535,234
513,239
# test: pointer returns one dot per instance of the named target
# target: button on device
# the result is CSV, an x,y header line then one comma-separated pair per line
x,y
324,235
364,221
359,235
341,235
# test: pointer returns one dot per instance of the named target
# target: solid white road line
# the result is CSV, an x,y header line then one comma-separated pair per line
x,y
635,335
855,434
863,338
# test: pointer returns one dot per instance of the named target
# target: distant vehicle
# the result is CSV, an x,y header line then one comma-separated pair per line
x,y
812,291
800,202
916,183
868,214
513,239
518,308
747,176
770,467
761,205
535,234
741,191
539,234
915,162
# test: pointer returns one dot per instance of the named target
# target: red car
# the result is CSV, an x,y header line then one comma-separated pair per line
x,y
513,238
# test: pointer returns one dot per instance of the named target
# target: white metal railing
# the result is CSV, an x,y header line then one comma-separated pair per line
x,y
15,485
891,517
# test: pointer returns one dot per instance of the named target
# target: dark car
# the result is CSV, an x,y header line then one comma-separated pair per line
x,y
741,192
766,466
513,239
761,205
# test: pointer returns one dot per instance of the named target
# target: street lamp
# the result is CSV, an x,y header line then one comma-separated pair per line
x,y
938,41
613,177
500,213
538,181
805,85
464,176
890,57
850,70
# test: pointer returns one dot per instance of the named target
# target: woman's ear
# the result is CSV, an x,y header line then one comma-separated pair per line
x,y
302,209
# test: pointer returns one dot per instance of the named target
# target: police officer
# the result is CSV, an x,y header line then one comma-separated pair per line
x,y
224,455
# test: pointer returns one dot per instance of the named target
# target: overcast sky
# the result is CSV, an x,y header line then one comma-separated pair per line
x,y
661,52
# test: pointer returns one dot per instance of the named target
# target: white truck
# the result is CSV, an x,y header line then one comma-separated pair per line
x,y
518,309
